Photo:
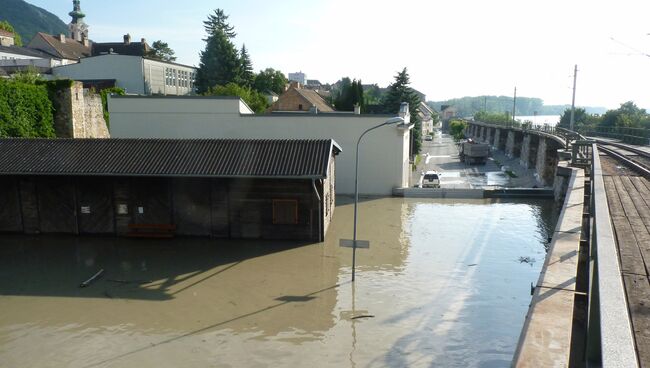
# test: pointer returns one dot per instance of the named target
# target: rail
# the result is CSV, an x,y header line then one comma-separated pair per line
x,y
610,339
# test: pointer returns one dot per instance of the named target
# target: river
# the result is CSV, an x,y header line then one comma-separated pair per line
x,y
444,283
551,120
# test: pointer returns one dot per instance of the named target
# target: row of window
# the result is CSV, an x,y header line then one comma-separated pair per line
x,y
179,78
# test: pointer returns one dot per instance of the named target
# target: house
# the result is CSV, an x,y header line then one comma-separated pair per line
x,y
384,153
127,47
69,50
226,188
6,38
427,116
16,58
447,112
136,74
271,97
296,98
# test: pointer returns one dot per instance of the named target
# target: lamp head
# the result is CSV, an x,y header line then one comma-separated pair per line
x,y
395,120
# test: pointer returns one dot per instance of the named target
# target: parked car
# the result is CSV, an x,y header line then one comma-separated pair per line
x,y
431,179
428,137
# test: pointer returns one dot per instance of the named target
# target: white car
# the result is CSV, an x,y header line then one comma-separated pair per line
x,y
431,179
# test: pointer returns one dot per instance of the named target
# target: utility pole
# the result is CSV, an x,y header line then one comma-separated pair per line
x,y
514,105
573,100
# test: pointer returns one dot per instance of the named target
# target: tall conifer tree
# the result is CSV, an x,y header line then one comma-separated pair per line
x,y
399,92
247,76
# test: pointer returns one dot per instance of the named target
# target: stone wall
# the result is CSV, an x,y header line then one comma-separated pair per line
x,y
79,114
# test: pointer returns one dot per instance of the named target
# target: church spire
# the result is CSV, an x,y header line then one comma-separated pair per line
x,y
78,29
76,13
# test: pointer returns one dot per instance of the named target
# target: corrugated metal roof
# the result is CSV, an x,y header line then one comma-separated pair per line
x,y
302,158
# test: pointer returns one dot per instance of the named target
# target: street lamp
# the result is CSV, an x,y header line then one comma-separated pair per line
x,y
390,121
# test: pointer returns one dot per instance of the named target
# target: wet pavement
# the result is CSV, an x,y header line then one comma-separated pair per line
x,y
441,155
443,284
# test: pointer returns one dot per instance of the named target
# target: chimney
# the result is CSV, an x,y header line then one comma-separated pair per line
x,y
61,38
357,109
127,39
404,112
294,84
143,41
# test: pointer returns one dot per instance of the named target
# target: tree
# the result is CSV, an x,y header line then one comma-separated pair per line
x,y
270,80
247,76
161,51
372,95
628,115
343,97
580,119
255,100
399,92
218,22
457,129
6,26
219,64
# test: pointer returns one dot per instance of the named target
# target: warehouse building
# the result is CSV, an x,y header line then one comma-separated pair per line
x,y
227,188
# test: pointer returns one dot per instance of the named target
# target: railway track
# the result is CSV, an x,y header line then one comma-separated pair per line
x,y
636,159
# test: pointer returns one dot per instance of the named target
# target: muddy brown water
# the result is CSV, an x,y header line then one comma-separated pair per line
x,y
442,284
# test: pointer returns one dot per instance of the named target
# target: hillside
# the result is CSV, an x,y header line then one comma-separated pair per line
x,y
526,106
28,19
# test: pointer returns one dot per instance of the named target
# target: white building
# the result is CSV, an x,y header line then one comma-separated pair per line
x,y
299,77
136,74
384,152
16,58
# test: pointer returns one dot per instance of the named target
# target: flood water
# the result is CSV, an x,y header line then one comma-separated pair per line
x,y
445,283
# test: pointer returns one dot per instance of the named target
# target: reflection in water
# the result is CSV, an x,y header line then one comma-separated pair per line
x,y
441,285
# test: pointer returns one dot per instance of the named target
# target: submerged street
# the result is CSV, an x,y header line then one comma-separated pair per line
x,y
444,283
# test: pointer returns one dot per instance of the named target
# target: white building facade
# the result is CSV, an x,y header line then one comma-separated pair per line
x,y
299,77
384,152
136,74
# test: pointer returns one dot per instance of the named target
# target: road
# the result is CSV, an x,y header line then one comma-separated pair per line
x,y
441,154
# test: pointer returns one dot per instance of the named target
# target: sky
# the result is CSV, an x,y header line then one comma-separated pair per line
x,y
451,48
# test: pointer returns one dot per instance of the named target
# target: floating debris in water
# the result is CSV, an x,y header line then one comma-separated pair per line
x,y
527,259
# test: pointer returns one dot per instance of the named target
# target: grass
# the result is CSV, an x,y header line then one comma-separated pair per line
x,y
511,173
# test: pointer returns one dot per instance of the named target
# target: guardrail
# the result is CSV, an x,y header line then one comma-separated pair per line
x,y
638,136
610,339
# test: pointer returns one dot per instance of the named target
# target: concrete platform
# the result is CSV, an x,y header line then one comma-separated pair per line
x,y
545,340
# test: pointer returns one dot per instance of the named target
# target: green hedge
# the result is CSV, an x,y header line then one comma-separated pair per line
x,y
25,110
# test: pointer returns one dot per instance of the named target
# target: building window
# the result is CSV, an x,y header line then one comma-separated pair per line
x,y
300,107
285,212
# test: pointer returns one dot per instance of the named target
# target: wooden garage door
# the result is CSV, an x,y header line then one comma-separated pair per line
x,y
95,209
56,205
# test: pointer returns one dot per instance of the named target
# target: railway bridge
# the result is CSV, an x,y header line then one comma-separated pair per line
x,y
591,303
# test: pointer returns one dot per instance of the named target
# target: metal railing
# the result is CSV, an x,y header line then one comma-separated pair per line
x,y
638,136
610,340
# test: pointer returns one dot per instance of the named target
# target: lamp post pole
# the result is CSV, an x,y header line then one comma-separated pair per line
x,y
356,188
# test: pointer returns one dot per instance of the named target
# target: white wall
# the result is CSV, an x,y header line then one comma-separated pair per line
x,y
125,69
157,81
10,55
383,154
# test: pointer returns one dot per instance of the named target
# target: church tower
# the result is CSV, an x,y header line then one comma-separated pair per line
x,y
78,29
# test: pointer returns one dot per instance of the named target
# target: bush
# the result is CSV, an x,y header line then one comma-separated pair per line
x,y
255,100
25,110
